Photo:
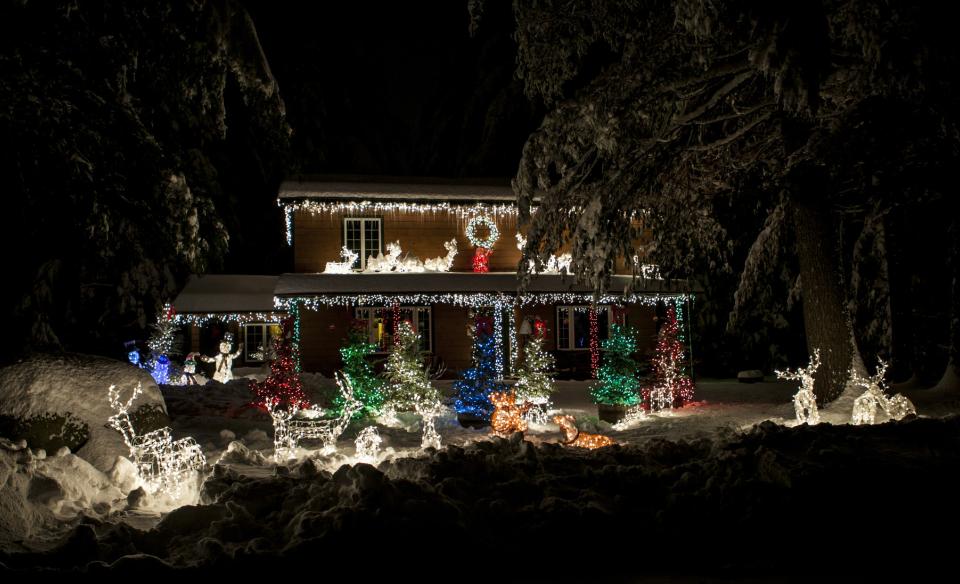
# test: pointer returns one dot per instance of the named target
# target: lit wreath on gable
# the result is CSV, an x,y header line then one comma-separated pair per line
x,y
481,257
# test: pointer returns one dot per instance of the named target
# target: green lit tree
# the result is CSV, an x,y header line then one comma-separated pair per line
x,y
367,386
408,385
534,382
617,382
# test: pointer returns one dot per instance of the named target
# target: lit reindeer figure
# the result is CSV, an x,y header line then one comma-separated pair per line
x,y
554,264
865,406
508,416
429,411
162,462
805,402
574,437
346,266
388,263
292,425
443,263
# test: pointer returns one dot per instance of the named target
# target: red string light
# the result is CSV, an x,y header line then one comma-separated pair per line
x,y
481,260
594,344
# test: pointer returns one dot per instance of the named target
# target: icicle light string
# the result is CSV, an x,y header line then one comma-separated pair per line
x,y
470,300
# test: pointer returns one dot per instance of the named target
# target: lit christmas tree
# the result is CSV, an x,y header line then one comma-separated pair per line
x,y
668,366
162,344
367,386
473,390
617,382
534,382
283,385
408,386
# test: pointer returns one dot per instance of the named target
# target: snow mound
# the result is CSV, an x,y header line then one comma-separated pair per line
x,y
41,496
76,384
557,511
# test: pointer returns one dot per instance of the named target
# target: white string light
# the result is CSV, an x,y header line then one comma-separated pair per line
x,y
471,300
875,397
201,319
493,234
380,207
805,401
346,266
292,425
634,415
554,264
162,463
368,445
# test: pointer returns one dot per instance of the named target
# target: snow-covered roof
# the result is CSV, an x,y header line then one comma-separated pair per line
x,y
448,282
410,189
226,293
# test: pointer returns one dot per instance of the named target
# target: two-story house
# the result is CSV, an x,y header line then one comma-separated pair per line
x,y
373,252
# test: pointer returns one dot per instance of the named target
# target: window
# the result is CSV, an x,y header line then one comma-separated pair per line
x,y
573,326
258,338
379,323
363,237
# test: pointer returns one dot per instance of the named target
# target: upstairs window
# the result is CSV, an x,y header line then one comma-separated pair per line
x,y
573,326
364,237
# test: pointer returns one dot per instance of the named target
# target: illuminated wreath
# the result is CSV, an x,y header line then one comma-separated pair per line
x,y
490,225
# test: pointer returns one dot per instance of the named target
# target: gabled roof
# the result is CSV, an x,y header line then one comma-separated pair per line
x,y
387,188
226,293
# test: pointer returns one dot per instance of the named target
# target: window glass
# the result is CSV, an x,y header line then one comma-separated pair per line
x,y
362,236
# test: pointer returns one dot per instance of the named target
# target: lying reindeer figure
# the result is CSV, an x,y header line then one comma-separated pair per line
x,y
507,416
574,437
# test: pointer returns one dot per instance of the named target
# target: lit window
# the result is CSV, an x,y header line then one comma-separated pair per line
x,y
573,326
379,323
258,340
363,236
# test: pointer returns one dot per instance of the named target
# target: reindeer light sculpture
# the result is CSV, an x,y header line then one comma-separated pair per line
x,y
508,416
344,267
875,397
804,402
574,437
443,263
292,425
162,462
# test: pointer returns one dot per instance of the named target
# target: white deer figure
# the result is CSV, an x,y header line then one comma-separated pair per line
x,y
443,263
429,411
368,444
344,267
554,265
866,405
292,425
388,263
805,402
162,462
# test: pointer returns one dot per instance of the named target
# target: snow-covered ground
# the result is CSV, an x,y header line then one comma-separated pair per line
x,y
711,480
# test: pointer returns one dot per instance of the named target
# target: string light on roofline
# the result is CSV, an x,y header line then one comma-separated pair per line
x,y
471,300
321,207
200,319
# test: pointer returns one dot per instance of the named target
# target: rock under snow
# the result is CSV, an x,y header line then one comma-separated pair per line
x,y
750,376
76,384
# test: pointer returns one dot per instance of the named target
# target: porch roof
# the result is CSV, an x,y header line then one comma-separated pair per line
x,y
215,293
290,285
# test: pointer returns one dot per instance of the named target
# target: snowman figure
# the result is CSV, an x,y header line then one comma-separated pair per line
x,y
223,370
190,370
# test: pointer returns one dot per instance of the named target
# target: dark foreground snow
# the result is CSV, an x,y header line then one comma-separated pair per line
x,y
773,503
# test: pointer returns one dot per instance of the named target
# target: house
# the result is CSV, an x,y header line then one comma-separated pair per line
x,y
373,252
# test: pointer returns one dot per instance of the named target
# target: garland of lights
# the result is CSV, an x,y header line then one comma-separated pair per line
x,y
492,236
471,300
594,343
804,402
381,207
162,463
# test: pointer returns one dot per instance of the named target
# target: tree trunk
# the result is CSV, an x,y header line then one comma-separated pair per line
x,y
825,317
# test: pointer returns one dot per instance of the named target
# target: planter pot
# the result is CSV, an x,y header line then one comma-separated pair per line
x,y
469,421
611,413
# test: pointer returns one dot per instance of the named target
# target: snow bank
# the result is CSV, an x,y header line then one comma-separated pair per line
x,y
41,495
76,384
750,505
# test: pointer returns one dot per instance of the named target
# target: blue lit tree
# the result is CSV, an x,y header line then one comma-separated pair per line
x,y
473,390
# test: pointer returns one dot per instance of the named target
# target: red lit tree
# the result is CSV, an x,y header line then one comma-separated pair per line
x,y
282,386
668,368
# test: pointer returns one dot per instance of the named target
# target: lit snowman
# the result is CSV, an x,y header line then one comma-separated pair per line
x,y
223,369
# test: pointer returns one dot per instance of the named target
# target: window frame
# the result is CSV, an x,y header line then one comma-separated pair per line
x,y
362,313
247,347
571,324
364,252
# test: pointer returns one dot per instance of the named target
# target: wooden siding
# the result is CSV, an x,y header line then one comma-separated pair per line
x,y
318,238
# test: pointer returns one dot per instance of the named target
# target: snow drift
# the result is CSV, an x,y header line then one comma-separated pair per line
x,y
76,384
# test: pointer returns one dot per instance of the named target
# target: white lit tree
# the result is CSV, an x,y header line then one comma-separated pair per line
x,y
534,382
408,384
